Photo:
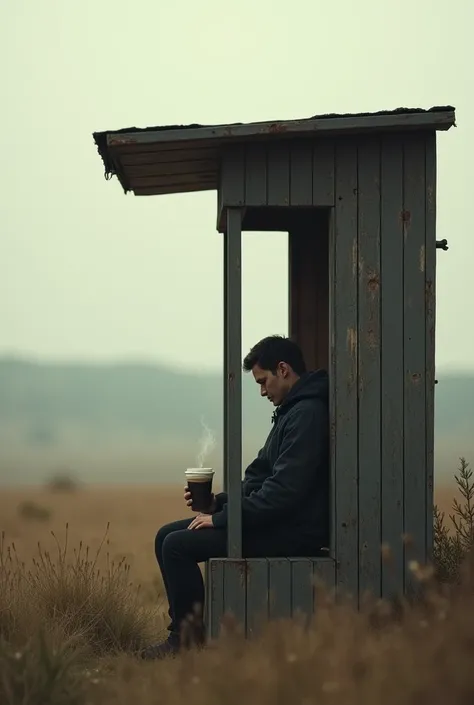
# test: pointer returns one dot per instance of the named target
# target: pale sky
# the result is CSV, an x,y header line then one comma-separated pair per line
x,y
89,273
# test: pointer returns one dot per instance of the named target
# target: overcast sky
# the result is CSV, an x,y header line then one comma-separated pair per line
x,y
89,273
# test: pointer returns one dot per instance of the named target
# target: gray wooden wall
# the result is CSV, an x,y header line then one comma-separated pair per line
x,y
381,190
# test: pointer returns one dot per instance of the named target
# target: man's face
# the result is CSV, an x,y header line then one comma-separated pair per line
x,y
273,386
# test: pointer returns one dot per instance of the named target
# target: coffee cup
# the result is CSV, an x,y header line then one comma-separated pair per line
x,y
199,482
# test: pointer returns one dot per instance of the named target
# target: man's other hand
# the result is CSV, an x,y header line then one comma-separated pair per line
x,y
189,501
202,521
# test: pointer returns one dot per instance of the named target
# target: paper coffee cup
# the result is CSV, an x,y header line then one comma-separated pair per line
x,y
199,481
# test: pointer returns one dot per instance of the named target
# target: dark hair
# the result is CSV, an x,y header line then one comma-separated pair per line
x,y
268,352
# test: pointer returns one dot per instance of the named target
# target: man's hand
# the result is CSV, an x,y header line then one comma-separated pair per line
x,y
202,521
189,501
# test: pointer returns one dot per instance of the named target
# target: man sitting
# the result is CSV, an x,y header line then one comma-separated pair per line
x,y
285,495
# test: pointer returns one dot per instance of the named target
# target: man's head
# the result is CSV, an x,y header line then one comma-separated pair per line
x,y
276,363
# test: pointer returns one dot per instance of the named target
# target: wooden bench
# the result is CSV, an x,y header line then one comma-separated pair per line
x,y
256,590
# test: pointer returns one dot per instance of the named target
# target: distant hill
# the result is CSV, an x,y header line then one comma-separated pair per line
x,y
142,422
114,421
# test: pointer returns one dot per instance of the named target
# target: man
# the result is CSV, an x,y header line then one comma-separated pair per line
x,y
285,500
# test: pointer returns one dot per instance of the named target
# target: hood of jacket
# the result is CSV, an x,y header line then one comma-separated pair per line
x,y
311,385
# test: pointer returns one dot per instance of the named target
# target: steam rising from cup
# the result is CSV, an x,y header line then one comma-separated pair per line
x,y
206,444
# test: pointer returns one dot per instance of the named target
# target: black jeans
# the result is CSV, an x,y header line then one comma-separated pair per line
x,y
178,552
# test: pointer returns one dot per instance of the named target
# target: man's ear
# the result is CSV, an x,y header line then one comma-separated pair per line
x,y
284,369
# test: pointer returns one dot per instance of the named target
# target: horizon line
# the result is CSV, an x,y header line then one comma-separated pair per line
x,y
120,361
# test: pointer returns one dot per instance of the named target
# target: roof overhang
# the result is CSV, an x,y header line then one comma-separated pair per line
x,y
178,159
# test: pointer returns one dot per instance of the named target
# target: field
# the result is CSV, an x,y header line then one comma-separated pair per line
x,y
134,514
345,658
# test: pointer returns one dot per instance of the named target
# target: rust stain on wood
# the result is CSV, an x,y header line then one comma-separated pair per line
x,y
354,257
275,128
405,217
422,258
373,283
429,296
242,568
372,339
429,196
352,341
114,141
431,334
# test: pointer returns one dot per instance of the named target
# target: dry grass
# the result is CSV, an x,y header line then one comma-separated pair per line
x,y
71,617
134,515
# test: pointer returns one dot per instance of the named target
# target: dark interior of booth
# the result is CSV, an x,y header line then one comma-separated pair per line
x,y
308,272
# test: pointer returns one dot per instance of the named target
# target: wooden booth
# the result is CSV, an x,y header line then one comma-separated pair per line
x,y
357,196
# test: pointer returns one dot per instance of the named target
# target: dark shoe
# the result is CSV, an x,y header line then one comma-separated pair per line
x,y
162,650
192,636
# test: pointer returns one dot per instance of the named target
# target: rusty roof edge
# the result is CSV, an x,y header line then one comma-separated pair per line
x,y
437,118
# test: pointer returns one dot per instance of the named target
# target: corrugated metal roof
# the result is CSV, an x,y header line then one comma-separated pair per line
x,y
184,158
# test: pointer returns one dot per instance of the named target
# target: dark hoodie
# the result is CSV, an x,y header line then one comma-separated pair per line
x,y
288,481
